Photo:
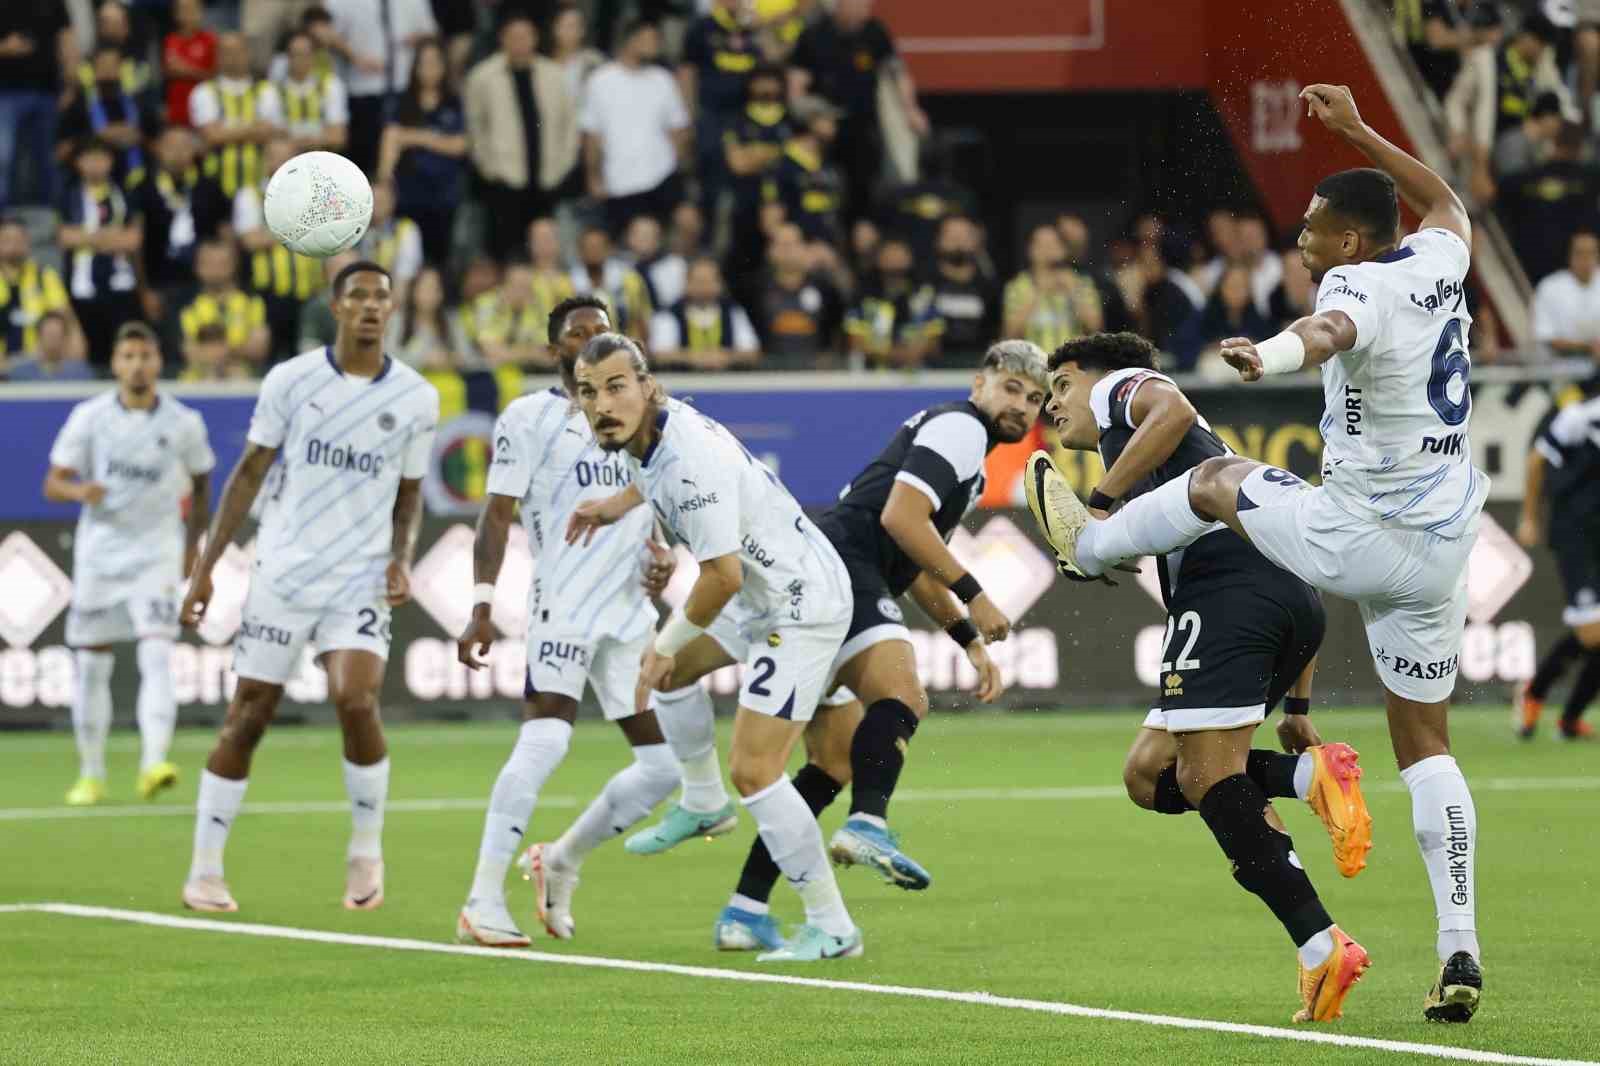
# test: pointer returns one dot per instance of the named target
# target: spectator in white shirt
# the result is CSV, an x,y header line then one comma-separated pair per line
x,y
316,109
636,131
1566,305
379,52
705,330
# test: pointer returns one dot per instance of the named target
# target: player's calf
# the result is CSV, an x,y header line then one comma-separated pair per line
x,y
249,714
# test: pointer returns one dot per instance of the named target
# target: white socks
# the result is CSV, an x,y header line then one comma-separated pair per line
x,y
1158,522
1304,771
541,745
793,837
368,789
91,711
688,721
1315,952
629,796
158,707
214,813
1446,824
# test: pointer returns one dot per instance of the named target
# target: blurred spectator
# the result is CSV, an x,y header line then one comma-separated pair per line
x,y
645,246
570,49
841,57
178,207
1222,236
1256,255
863,252
1159,297
805,185
965,298
100,236
915,209
316,21
483,274
283,279
666,273
522,127
798,312
893,321
719,52
317,324
378,39
705,330
1230,312
1075,238
207,357
237,116
1566,305
752,148
392,242
636,131
31,40
1436,32
265,23
457,21
614,281
1296,295
1496,90
1544,205
50,358
552,283
188,57
425,151
1049,303
242,315
316,109
29,290
106,110
424,333
1527,144
113,29
506,326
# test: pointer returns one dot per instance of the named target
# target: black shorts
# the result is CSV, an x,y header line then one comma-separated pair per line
x,y
1578,558
876,615
1235,644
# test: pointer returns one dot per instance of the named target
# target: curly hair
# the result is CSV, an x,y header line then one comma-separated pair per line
x,y
1106,352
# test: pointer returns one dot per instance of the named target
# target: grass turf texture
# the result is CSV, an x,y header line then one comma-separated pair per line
x,y
1083,900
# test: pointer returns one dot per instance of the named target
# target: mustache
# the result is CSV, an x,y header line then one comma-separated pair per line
x,y
607,423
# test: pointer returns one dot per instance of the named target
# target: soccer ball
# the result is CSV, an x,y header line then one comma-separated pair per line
x,y
318,204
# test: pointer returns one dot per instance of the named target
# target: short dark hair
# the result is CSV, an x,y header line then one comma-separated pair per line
x,y
559,313
360,266
136,331
1546,103
211,333
93,143
635,25
314,14
510,13
1366,197
1106,352
1539,25
1580,232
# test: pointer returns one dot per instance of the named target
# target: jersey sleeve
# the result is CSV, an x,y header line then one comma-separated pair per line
x,y
946,450
521,439
71,449
1443,246
1352,291
197,456
1112,396
419,449
269,424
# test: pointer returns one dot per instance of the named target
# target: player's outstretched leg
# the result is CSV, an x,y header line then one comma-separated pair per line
x,y
1528,704
688,721
91,722
1572,726
353,680
158,716
222,789
1236,810
541,744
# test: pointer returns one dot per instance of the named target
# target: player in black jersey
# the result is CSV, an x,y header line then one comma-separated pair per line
x,y
890,527
1564,467
1241,635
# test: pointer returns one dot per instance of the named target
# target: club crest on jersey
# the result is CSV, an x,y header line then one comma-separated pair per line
x,y
890,610
386,421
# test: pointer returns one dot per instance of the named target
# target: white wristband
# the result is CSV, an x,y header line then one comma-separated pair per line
x,y
1283,354
676,633
483,592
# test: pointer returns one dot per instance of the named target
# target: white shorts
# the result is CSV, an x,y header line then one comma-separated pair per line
x,y
273,632
788,669
564,664
1411,586
1202,720
135,618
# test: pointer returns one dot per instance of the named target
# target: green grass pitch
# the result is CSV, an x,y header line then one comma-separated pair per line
x,y
1068,895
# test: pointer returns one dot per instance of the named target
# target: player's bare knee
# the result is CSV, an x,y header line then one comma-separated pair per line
x,y
1210,488
357,708
248,717
1140,782
750,772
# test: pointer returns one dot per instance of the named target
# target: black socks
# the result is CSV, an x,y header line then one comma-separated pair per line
x,y
876,755
1272,771
1234,809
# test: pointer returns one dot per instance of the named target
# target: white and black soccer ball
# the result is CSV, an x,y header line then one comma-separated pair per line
x,y
318,204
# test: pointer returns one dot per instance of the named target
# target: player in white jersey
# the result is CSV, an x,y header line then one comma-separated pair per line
x,y
129,456
589,621
772,593
353,429
1394,521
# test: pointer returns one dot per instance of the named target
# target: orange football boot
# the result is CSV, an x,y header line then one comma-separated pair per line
x,y
1323,989
1336,797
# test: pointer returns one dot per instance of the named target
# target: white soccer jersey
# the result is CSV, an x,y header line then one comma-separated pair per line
x,y
344,443
131,541
1394,431
716,498
546,457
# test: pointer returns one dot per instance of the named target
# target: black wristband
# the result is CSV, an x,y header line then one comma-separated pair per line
x,y
1296,705
1099,501
966,588
962,631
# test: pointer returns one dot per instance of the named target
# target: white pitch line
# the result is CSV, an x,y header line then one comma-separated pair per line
x,y
910,795
982,999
